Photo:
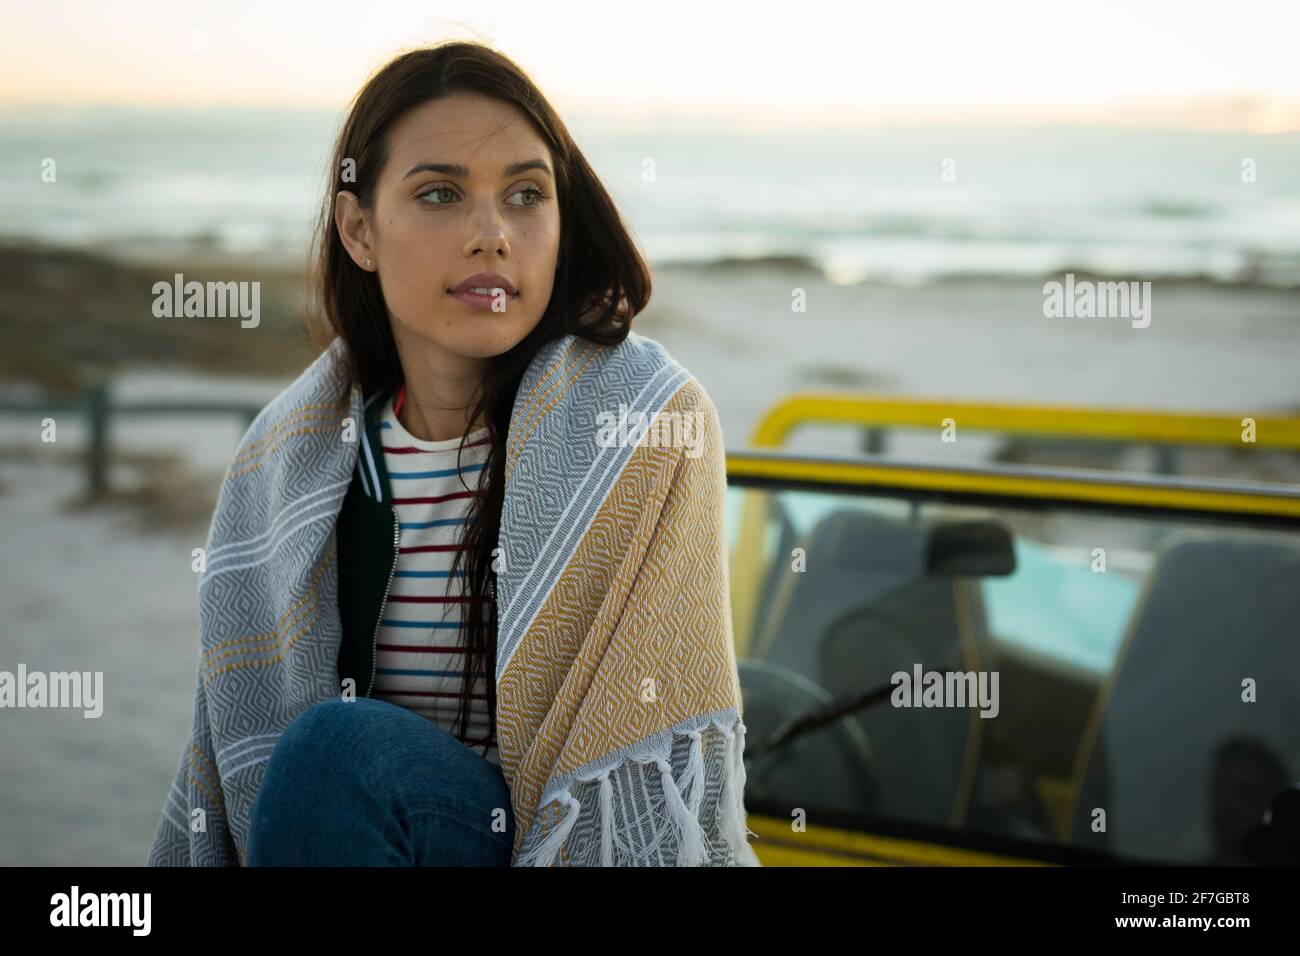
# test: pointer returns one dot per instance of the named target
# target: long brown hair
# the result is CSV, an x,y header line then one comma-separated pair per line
x,y
601,283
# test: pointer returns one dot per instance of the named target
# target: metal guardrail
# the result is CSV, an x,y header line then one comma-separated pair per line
x,y
96,405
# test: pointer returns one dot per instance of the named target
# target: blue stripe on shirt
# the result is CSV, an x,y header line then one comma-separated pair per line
x,y
439,523
443,473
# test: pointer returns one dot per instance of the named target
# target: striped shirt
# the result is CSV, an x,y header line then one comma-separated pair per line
x,y
419,662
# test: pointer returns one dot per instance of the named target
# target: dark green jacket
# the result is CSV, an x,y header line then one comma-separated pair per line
x,y
367,542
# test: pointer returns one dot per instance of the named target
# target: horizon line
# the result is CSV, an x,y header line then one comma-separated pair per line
x,y
1227,113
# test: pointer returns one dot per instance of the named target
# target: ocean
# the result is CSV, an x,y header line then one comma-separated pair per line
x,y
902,206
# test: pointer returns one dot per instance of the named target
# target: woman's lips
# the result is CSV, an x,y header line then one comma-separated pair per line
x,y
476,300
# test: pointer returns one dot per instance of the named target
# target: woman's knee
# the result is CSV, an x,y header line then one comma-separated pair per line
x,y
336,715
380,741
333,729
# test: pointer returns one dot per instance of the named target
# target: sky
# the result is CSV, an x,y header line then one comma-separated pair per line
x,y
1145,62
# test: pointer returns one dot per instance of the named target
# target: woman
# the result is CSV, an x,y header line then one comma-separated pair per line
x,y
485,488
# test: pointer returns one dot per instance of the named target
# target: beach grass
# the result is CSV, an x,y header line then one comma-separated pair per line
x,y
67,315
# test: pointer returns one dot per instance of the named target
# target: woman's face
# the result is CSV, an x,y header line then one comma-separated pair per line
x,y
468,188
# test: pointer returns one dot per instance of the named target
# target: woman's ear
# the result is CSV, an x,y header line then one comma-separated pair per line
x,y
354,229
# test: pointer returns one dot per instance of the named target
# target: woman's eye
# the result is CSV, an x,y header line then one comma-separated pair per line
x,y
537,196
437,189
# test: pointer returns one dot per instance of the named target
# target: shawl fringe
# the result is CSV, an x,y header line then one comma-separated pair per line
x,y
670,790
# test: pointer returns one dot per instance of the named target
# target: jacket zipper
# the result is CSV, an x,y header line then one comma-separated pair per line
x,y
392,568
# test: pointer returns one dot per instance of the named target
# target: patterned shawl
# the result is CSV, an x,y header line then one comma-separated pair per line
x,y
618,701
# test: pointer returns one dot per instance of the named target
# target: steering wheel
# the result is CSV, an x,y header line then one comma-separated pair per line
x,y
831,768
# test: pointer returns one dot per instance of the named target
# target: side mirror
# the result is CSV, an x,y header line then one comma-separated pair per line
x,y
970,549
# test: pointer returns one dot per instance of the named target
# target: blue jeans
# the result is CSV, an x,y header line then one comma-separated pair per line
x,y
369,783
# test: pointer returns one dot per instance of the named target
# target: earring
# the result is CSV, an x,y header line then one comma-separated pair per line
x,y
367,262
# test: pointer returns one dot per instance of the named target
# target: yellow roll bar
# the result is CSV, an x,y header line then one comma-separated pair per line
x,y
1054,421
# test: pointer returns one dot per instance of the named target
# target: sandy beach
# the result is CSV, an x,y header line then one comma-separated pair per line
x,y
1210,347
